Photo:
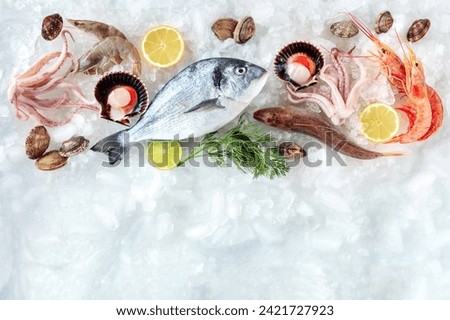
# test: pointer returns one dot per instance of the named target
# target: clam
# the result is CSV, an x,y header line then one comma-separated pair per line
x,y
73,146
224,28
37,142
418,29
51,26
121,95
50,161
383,22
298,63
245,29
291,150
344,29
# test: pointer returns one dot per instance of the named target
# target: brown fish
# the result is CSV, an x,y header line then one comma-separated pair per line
x,y
317,125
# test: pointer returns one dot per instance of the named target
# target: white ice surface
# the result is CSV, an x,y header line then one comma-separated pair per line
x,y
373,229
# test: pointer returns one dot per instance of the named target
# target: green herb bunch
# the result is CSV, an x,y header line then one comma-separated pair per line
x,y
246,145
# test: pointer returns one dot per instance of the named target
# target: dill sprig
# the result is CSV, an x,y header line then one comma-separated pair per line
x,y
246,146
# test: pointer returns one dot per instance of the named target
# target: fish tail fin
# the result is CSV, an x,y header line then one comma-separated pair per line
x,y
114,146
393,154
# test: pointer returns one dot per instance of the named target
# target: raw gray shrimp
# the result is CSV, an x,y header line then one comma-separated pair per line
x,y
99,29
109,52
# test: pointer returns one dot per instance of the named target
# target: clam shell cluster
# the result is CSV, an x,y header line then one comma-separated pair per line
x,y
241,31
383,22
298,63
37,143
418,29
344,29
108,84
51,26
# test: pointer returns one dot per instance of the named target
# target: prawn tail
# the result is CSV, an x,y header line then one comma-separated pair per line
x,y
437,111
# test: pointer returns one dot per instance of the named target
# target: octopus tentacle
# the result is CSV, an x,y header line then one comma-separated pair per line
x,y
326,105
357,87
27,88
38,79
39,65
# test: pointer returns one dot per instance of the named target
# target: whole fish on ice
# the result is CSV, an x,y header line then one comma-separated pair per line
x,y
200,99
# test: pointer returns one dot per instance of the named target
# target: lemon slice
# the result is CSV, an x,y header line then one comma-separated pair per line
x,y
380,122
163,46
164,155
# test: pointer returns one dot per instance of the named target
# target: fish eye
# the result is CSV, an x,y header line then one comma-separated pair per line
x,y
416,64
240,70
76,24
383,50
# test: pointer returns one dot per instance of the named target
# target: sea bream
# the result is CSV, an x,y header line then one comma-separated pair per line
x,y
200,99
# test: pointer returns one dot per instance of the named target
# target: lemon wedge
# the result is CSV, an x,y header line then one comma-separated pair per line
x,y
163,46
164,155
380,122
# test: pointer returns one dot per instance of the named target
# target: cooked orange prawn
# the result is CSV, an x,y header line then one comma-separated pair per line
x,y
394,69
418,103
390,63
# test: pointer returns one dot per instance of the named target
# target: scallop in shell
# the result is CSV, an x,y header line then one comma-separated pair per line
x,y
121,95
383,22
418,29
298,63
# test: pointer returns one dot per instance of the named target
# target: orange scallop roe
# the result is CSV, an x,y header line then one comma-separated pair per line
x,y
306,61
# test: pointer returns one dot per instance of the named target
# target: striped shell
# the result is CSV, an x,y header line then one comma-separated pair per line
x,y
73,146
383,22
292,50
344,29
418,29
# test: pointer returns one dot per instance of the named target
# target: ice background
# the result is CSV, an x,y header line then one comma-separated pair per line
x,y
371,230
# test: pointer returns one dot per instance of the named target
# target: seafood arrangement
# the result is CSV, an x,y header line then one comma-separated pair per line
x,y
316,125
181,110
208,94
423,106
